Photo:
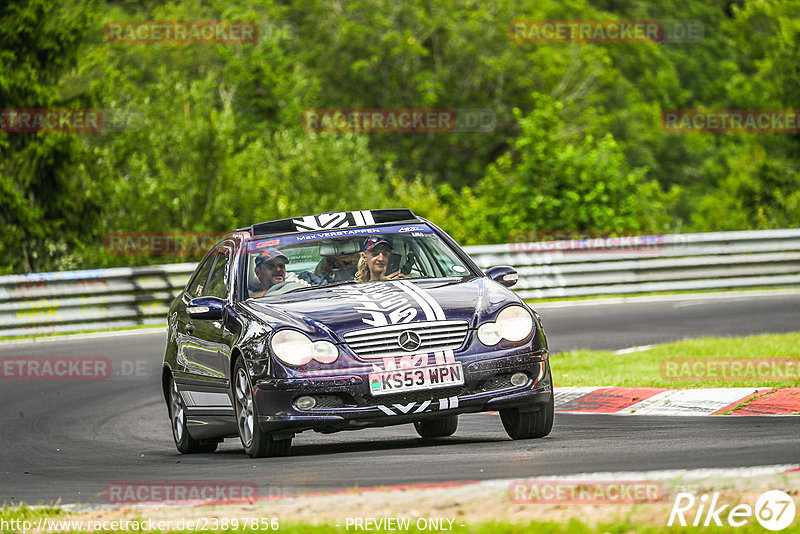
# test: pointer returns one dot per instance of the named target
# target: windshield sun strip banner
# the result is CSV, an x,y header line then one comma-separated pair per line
x,y
344,232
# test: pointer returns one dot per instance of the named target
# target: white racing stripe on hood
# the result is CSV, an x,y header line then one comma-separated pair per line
x,y
425,296
430,315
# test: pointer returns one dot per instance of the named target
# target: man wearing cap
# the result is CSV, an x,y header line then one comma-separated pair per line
x,y
271,270
374,259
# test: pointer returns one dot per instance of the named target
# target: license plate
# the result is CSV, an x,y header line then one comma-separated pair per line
x,y
416,378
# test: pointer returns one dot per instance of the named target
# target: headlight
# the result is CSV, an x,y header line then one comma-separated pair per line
x,y
489,334
296,348
513,324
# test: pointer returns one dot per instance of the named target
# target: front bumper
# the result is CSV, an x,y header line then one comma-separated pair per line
x,y
345,403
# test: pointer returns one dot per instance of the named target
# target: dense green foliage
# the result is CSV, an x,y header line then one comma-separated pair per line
x,y
208,137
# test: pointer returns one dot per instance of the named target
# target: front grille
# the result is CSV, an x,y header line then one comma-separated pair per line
x,y
383,340
414,396
328,401
498,382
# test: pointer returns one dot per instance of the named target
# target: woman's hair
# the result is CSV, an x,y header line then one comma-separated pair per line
x,y
362,273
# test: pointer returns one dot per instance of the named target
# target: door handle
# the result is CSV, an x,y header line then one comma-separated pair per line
x,y
189,328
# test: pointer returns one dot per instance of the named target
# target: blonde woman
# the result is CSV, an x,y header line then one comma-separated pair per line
x,y
374,259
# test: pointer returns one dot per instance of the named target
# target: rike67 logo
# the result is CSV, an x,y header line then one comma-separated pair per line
x,y
774,510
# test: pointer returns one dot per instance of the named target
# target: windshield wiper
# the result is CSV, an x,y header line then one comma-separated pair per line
x,y
330,284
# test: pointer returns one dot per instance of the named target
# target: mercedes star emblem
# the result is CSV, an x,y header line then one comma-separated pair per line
x,y
409,340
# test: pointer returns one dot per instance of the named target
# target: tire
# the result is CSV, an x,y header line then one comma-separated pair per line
x,y
185,443
256,442
437,428
526,425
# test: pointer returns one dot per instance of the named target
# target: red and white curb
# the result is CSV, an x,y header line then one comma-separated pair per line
x,y
661,401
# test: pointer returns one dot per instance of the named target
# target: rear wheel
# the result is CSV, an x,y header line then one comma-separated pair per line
x,y
525,425
256,442
185,443
437,428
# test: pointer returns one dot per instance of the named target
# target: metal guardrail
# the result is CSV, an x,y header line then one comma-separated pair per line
x,y
39,303
720,260
44,303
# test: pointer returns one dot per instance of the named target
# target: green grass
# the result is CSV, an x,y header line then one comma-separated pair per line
x,y
644,369
27,513
494,527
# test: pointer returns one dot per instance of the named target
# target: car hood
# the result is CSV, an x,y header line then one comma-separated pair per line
x,y
335,311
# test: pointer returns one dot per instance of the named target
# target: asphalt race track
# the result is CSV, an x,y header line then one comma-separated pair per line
x,y
67,439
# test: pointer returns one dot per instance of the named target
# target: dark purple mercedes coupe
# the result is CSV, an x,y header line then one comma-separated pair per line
x,y
343,321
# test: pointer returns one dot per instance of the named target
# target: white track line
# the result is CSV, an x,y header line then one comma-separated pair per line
x,y
701,401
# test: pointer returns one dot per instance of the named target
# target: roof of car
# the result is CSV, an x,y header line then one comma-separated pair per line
x,y
330,221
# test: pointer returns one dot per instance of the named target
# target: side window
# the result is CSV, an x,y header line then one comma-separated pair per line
x,y
197,287
217,284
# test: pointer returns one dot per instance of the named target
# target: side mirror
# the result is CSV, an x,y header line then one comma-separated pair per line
x,y
503,274
208,308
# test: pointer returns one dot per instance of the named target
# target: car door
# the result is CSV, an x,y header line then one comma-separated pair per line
x,y
206,345
208,358
187,343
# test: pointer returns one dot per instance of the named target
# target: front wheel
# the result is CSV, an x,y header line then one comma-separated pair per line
x,y
185,443
437,428
526,425
256,442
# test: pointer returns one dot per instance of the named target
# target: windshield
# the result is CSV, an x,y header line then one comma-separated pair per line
x,y
278,265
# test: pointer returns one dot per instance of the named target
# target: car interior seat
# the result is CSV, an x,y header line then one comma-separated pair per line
x,y
337,248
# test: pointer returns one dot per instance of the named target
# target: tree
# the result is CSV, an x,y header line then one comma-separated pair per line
x,y
553,180
47,203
